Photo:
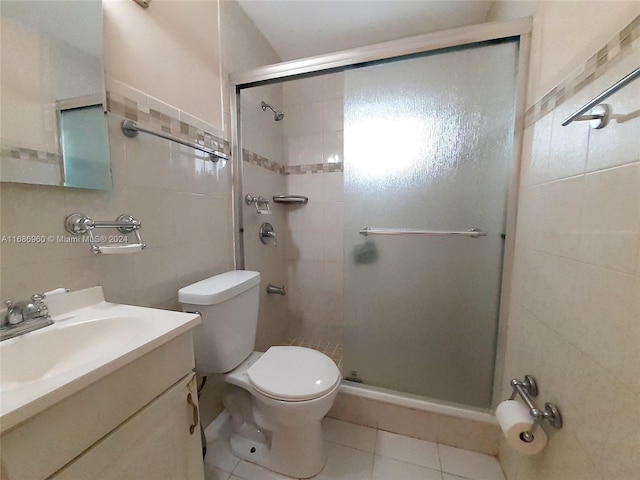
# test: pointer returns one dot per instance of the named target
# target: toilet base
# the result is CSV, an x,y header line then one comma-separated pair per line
x,y
292,452
282,436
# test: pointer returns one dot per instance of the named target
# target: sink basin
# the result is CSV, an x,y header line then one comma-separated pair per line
x,y
63,347
90,339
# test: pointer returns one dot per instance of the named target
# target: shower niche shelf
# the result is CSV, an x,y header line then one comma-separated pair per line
x,y
291,199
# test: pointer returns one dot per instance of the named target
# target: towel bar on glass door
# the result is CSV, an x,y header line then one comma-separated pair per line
x,y
473,233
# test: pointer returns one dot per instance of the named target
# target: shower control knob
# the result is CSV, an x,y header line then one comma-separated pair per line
x,y
266,233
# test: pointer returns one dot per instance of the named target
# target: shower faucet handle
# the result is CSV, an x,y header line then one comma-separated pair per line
x,y
266,232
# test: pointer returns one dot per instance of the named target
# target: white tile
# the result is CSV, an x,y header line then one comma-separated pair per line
x,y
407,449
251,471
333,85
385,468
219,455
610,218
620,457
333,147
568,154
311,89
346,463
310,149
164,108
311,117
448,476
618,143
333,113
349,434
472,465
123,90
213,473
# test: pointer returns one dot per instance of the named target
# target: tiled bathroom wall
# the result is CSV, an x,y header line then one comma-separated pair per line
x,y
313,138
169,188
263,138
182,199
244,48
575,308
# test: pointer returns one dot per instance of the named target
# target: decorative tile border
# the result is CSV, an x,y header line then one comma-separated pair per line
x,y
314,168
119,103
625,41
10,151
154,119
255,159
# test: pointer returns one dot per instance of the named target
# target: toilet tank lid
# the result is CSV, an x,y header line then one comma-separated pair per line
x,y
219,288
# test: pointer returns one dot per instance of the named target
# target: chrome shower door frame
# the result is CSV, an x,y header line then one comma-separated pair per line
x,y
520,28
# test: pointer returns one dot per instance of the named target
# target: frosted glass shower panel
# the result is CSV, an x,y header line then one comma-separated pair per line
x,y
428,145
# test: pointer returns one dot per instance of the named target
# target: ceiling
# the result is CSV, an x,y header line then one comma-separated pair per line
x,y
304,28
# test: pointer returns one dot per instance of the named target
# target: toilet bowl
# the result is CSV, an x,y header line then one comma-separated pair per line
x,y
276,399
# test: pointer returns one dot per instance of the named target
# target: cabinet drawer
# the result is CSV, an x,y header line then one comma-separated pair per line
x,y
155,444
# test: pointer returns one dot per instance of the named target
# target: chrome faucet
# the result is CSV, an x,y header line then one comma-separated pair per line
x,y
24,317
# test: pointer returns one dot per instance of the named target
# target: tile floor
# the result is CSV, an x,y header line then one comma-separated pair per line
x,y
360,453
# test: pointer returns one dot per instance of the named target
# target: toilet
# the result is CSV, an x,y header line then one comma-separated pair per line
x,y
277,399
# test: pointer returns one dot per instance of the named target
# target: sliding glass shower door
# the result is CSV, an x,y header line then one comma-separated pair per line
x,y
428,157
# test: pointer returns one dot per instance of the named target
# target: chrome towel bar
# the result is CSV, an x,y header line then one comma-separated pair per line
x,y
601,116
473,233
131,129
80,224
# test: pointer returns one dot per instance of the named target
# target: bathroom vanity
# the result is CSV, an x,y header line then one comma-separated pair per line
x,y
108,391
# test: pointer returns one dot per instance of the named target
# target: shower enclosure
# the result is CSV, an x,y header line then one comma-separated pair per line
x,y
419,210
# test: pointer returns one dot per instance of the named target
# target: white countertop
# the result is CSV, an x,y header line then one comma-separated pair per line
x,y
90,339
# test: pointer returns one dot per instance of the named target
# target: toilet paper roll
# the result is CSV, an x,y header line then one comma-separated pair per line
x,y
514,419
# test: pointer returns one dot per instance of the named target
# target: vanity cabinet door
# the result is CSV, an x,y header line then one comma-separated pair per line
x,y
161,441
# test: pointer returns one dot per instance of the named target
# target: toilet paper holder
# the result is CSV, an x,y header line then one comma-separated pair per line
x,y
527,389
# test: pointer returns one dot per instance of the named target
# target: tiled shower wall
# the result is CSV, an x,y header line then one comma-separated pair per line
x,y
263,138
575,309
313,139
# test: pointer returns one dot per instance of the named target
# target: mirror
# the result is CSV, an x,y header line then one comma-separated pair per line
x,y
53,115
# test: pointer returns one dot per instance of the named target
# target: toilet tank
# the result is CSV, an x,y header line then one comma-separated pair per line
x,y
228,304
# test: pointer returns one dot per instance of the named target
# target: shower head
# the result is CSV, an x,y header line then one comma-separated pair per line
x,y
277,116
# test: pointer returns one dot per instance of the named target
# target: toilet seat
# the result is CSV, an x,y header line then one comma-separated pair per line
x,y
293,374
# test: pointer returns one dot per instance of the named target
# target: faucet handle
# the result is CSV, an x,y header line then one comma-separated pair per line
x,y
37,297
266,233
14,312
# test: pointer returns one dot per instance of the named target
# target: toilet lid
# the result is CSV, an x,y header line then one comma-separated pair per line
x,y
293,373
